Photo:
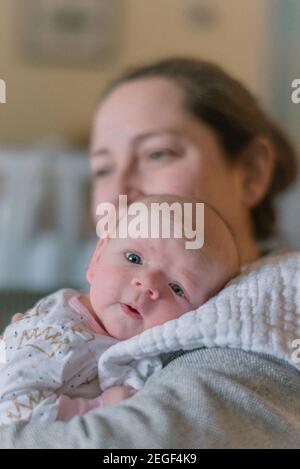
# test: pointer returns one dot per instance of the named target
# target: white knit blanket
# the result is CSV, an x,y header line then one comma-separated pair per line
x,y
258,311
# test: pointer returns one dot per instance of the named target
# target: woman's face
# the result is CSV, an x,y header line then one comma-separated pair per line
x,y
144,142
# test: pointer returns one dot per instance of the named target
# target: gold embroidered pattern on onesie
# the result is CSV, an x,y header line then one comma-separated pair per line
x,y
32,399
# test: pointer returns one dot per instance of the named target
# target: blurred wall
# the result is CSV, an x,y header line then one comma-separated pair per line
x,y
44,99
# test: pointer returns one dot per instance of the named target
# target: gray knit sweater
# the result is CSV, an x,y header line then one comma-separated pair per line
x,y
206,398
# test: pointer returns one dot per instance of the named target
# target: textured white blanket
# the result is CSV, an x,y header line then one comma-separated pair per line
x,y
258,311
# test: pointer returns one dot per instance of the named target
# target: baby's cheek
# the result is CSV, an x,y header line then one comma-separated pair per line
x,y
165,313
107,285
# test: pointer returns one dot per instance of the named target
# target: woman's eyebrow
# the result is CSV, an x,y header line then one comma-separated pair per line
x,y
138,139
153,133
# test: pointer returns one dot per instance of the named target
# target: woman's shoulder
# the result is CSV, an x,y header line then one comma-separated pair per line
x,y
278,258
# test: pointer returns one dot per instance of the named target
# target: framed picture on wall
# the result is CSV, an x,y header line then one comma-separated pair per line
x,y
70,31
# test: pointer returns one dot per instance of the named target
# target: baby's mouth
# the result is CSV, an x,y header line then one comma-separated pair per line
x,y
131,311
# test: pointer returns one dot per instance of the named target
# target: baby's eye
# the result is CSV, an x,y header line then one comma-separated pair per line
x,y
177,289
133,258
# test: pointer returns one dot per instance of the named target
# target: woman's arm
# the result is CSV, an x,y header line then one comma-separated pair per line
x,y
69,408
208,398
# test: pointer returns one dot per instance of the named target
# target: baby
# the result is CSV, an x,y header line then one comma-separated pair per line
x,y
49,367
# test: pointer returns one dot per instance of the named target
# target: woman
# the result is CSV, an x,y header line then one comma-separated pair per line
x,y
184,126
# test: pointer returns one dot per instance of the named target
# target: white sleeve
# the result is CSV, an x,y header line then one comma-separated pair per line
x,y
40,364
2,351
28,381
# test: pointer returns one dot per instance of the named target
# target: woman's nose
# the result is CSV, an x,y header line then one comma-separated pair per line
x,y
133,194
127,184
146,285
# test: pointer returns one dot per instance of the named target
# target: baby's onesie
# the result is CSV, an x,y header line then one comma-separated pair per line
x,y
48,357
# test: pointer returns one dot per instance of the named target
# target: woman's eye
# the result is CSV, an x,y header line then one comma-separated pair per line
x,y
101,173
177,289
133,258
158,155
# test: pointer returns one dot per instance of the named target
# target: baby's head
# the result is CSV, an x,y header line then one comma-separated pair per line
x,y
136,284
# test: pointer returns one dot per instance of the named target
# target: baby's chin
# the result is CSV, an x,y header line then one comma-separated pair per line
x,y
121,335
121,328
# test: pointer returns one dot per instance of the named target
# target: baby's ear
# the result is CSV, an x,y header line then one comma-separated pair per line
x,y
95,259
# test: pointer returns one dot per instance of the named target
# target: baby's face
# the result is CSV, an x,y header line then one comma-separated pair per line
x,y
136,284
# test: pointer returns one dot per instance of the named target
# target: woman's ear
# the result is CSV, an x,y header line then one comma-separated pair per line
x,y
257,169
95,259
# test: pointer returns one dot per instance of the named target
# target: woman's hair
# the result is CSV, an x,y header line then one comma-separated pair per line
x,y
230,110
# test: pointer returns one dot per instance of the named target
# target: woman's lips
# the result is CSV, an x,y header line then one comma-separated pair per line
x,y
130,311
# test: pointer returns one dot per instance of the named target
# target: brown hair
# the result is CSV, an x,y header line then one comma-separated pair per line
x,y
230,110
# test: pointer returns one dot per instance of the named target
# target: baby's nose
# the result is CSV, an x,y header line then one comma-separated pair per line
x,y
147,285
